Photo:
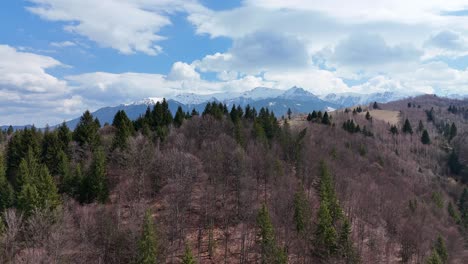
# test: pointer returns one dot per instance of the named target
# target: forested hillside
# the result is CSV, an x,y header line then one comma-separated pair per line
x,y
240,185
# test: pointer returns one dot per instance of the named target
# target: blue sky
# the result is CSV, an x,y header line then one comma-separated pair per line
x,y
61,57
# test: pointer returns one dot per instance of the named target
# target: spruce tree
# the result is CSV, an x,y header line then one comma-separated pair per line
x,y
7,194
267,235
425,138
124,130
86,132
368,116
179,117
28,199
325,234
441,249
94,184
301,211
326,119
289,113
453,131
64,136
407,127
148,243
188,256
420,126
434,258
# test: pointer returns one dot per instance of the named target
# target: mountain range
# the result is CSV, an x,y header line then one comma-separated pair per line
x,y
279,101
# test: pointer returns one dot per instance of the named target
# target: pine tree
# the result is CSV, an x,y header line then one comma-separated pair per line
x,y
375,106
148,243
179,117
289,113
86,132
407,127
188,256
425,138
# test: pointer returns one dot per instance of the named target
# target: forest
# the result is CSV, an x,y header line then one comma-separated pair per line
x,y
240,185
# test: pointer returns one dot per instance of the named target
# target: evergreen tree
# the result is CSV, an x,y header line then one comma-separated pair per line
x,y
301,211
51,147
434,258
407,127
345,243
420,126
94,184
10,130
148,243
124,130
453,131
86,132
368,116
267,235
194,112
425,138
325,234
314,115
188,256
269,250
328,194
375,106
17,149
7,194
454,214
453,163
28,199
441,249
289,113
48,193
64,136
179,117
326,119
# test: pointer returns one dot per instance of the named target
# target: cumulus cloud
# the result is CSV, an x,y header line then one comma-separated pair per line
x,y
371,50
183,71
128,26
257,52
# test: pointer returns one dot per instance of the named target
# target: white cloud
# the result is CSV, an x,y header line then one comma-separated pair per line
x,y
27,71
28,94
63,44
183,71
128,26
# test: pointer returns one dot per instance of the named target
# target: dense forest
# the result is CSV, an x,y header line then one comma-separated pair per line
x,y
239,185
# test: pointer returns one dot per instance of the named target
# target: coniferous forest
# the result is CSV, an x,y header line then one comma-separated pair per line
x,y
240,185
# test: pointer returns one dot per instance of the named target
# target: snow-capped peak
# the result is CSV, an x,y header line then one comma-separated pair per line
x,y
296,92
147,101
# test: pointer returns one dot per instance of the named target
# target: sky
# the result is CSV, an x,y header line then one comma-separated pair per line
x,y
61,57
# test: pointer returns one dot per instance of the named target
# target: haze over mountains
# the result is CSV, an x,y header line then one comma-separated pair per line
x,y
279,101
